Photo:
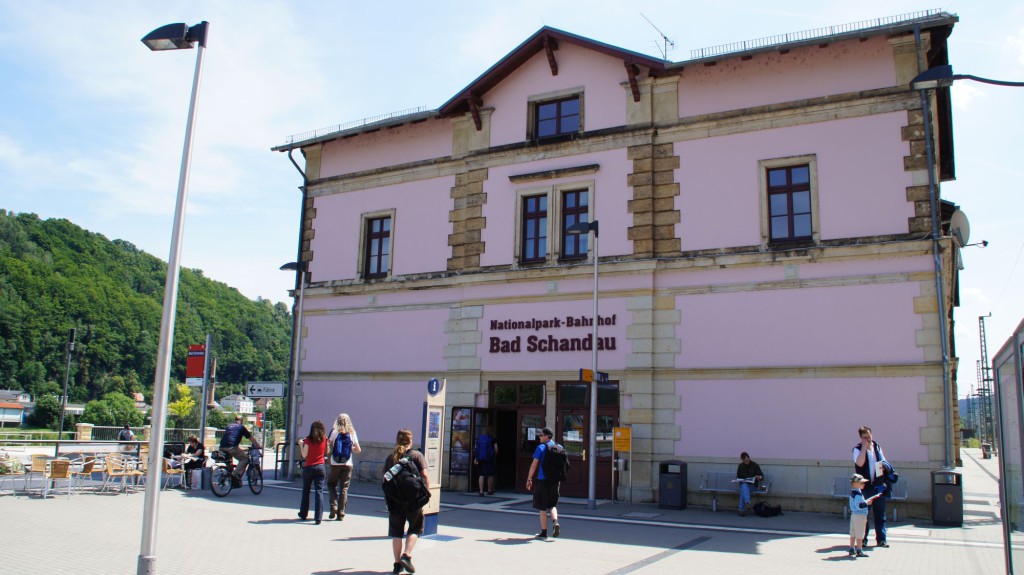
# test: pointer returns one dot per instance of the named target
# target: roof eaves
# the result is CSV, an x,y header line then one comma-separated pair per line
x,y
527,49
337,132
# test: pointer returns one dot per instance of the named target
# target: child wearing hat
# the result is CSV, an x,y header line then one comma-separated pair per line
x,y
858,514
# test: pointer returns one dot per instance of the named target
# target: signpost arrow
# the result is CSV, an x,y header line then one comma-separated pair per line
x,y
264,389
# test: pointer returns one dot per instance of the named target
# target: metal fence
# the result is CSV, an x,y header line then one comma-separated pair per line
x,y
816,33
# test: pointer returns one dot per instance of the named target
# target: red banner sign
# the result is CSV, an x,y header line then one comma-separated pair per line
x,y
195,365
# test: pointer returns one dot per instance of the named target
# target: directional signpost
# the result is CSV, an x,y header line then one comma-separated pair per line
x,y
264,389
587,375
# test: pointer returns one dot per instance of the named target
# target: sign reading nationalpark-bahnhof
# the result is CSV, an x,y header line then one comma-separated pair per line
x,y
548,342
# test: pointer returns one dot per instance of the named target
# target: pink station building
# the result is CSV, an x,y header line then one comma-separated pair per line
x,y
768,280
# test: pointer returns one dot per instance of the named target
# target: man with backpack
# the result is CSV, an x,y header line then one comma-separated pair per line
x,y
126,436
484,457
549,467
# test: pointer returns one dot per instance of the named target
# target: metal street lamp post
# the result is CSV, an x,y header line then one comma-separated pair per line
x,y
290,409
169,37
933,79
578,229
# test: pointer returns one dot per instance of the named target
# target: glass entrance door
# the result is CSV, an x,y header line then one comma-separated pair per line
x,y
573,432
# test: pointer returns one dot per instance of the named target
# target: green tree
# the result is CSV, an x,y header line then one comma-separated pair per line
x,y
216,419
46,412
183,408
275,414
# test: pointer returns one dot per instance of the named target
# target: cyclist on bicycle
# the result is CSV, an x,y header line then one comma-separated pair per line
x,y
229,444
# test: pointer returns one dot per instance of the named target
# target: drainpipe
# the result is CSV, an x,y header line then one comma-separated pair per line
x,y
933,199
300,270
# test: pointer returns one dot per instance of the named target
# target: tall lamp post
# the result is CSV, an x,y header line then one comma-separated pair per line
x,y
169,37
289,424
933,79
580,228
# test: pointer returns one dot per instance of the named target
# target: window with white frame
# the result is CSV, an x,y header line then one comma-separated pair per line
x,y
789,200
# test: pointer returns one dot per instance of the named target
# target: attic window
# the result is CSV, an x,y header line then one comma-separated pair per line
x,y
557,117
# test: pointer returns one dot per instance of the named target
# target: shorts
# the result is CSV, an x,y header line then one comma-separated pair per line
x,y
397,520
487,467
858,525
545,494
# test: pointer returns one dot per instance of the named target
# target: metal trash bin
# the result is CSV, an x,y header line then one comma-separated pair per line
x,y
947,498
986,451
672,484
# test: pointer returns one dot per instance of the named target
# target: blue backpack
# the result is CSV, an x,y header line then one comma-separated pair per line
x,y
342,450
484,448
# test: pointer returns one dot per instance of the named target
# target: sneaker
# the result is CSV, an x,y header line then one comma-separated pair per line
x,y
853,552
481,494
882,544
861,553
406,562
397,569
333,515
543,535
555,530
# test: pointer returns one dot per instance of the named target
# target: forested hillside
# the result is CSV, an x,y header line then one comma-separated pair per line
x,y
54,276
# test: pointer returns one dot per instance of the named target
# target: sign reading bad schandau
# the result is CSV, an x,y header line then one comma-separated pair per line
x,y
551,341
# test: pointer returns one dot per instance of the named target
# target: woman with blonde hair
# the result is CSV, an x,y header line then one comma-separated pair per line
x,y
339,475
313,448
397,515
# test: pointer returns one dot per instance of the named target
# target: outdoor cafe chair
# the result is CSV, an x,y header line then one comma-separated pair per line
x,y
170,472
83,471
36,467
57,470
12,476
118,468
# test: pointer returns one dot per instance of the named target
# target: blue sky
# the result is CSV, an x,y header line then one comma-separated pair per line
x,y
92,123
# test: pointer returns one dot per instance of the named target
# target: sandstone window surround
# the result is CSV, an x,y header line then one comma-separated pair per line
x,y
555,115
789,201
376,244
550,225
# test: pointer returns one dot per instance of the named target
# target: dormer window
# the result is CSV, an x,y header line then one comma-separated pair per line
x,y
557,115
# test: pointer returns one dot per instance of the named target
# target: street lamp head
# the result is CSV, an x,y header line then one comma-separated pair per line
x,y
933,78
176,37
583,228
290,266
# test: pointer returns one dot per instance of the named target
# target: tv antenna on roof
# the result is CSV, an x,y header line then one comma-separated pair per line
x,y
666,42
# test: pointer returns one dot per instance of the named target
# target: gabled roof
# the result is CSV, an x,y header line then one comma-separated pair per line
x,y
546,39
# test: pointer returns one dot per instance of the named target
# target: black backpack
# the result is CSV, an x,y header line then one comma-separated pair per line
x,y
762,509
555,463
403,486
342,450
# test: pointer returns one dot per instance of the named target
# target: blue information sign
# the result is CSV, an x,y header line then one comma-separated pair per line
x,y
433,386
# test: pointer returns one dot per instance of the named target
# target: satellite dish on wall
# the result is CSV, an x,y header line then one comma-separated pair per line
x,y
960,228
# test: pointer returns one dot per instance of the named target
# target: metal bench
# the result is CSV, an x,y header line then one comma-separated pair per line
x,y
841,489
716,482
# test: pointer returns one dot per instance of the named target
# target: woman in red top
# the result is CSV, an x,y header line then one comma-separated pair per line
x,y
313,473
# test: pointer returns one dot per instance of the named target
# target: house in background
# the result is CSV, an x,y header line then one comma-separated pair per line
x,y
237,403
767,279
11,414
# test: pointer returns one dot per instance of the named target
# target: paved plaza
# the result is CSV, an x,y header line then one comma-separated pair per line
x,y
100,534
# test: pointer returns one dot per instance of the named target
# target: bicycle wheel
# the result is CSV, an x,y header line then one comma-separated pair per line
x,y
255,479
220,483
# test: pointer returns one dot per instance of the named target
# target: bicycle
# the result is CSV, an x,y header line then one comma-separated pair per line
x,y
221,483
